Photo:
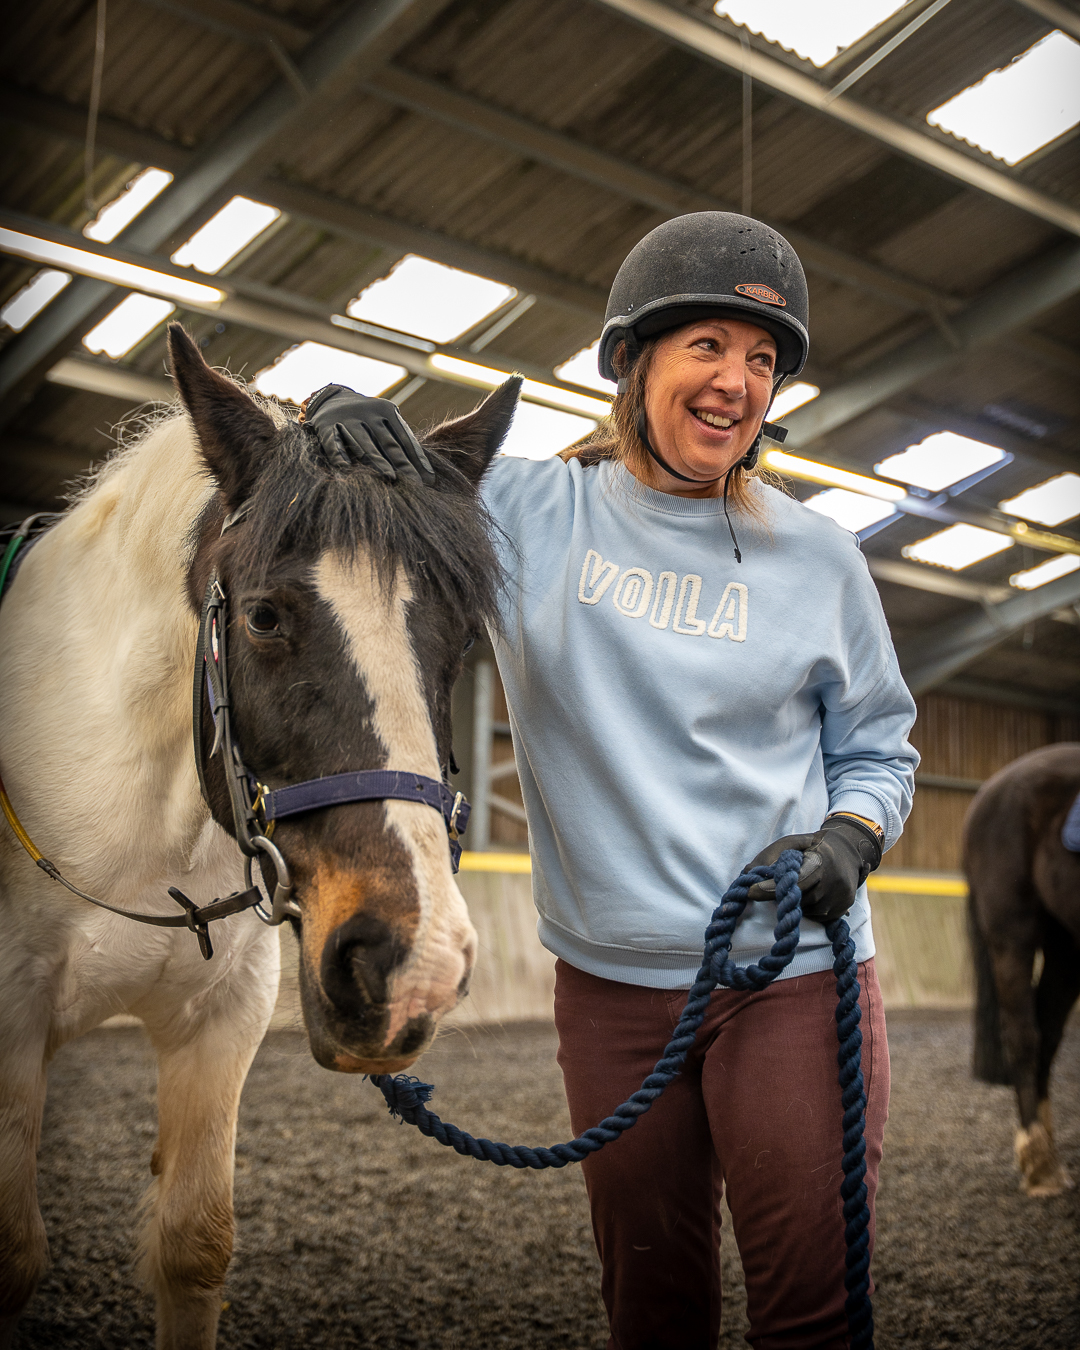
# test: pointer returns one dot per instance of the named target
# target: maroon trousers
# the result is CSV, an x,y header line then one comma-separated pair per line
x,y
757,1111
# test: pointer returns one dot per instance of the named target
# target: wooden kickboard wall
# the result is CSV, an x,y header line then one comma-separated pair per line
x,y
922,956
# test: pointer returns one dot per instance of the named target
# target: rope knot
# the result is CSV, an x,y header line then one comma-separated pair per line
x,y
403,1093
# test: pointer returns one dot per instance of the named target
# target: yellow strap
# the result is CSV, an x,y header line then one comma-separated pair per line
x,y
15,823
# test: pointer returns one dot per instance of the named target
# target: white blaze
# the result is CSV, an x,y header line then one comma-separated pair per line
x,y
375,624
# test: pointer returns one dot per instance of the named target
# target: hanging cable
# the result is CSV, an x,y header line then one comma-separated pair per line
x,y
92,114
747,128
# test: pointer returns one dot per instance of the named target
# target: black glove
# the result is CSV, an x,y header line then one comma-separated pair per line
x,y
353,429
838,859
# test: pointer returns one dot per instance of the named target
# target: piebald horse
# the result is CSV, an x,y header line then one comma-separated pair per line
x,y
352,600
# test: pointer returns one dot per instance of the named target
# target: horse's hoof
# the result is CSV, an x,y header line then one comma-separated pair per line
x,y
1042,1173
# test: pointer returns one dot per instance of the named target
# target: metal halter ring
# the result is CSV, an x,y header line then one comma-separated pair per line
x,y
283,905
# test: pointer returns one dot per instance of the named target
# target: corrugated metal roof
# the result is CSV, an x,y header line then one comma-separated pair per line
x,y
584,72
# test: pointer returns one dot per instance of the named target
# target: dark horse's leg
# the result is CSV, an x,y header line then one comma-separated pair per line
x,y
1059,988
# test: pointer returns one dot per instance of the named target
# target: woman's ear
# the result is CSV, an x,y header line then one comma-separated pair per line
x,y
234,433
473,441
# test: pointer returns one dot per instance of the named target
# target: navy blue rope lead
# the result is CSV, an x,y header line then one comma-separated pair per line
x,y
406,1097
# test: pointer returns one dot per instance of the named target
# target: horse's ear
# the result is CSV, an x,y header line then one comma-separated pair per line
x,y
473,441
234,433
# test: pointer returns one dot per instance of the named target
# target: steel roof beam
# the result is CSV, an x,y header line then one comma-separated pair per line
x,y
970,169
1009,303
1054,13
366,226
245,23
266,309
429,98
328,61
950,646
513,133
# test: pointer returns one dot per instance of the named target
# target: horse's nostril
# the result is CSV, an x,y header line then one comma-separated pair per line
x,y
415,1036
358,962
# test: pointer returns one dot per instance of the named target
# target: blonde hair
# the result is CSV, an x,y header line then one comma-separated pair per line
x,y
617,436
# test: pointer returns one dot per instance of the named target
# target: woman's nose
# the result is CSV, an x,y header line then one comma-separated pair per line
x,y
729,377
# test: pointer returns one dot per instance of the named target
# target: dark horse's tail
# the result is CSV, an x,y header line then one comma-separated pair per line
x,y
988,1059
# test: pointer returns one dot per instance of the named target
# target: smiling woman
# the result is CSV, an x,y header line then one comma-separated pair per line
x,y
677,711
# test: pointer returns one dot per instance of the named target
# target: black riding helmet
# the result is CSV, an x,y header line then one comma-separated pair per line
x,y
703,265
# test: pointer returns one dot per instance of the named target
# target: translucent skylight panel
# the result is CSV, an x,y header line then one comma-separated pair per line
x,y
225,234
815,29
792,396
127,325
538,433
957,547
28,303
429,300
939,461
122,210
1012,112
1050,570
850,509
301,370
1047,503
582,369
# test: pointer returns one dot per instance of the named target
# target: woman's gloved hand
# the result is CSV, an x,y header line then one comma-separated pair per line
x,y
837,860
353,429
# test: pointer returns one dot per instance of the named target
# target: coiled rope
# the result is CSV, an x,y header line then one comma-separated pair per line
x,y
406,1096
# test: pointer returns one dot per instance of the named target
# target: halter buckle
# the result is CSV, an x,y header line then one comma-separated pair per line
x,y
451,824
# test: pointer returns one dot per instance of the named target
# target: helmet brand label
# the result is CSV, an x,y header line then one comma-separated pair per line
x,y
765,294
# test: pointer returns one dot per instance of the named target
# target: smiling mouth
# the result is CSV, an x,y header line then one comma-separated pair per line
x,y
713,419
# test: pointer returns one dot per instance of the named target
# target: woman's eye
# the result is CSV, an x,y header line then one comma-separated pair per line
x,y
262,621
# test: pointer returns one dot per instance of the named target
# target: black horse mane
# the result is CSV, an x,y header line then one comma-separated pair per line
x,y
442,536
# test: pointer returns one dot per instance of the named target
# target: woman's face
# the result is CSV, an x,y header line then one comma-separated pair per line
x,y
707,393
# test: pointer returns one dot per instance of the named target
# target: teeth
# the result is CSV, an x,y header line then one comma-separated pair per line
x,y
713,420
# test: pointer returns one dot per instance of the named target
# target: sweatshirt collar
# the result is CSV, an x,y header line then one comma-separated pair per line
x,y
623,480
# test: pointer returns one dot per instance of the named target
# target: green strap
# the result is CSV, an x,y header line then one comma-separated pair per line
x,y
9,558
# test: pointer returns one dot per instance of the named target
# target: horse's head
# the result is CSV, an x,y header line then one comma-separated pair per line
x,y
351,602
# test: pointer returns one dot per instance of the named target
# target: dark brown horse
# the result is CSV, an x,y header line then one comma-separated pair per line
x,y
1025,899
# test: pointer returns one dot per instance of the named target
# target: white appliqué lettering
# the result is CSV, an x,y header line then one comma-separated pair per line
x,y
665,598
686,620
633,592
732,613
635,588
603,574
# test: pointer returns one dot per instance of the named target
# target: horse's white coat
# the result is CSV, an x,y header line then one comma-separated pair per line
x,y
376,622
97,641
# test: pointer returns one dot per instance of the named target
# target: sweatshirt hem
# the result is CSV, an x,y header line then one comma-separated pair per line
x,y
660,970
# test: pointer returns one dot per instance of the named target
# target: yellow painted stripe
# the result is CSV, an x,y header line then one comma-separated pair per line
x,y
496,862
899,883
893,883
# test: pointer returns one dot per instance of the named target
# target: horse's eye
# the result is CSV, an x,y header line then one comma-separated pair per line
x,y
262,620
470,643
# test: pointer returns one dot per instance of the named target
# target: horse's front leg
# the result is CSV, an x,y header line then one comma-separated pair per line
x,y
1059,988
201,1071
24,1251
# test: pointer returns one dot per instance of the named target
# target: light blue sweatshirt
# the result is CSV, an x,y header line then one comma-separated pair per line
x,y
674,712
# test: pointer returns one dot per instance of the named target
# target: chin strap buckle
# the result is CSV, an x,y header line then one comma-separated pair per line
x,y
774,432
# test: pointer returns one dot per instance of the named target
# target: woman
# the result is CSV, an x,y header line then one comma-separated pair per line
x,y
699,673
676,713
